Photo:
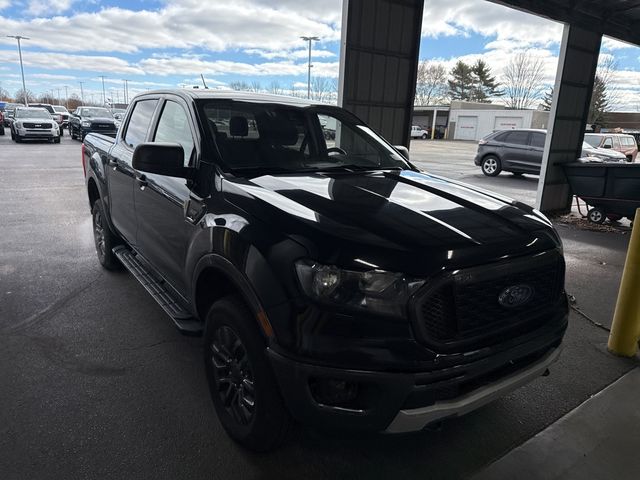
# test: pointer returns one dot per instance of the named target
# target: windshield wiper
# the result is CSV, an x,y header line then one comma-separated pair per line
x,y
349,167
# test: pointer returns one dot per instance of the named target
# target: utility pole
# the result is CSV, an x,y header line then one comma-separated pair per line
x,y
66,96
24,88
126,90
59,102
104,97
309,40
81,92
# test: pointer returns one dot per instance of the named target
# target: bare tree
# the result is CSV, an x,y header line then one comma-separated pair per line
x,y
275,88
322,89
607,67
431,84
239,85
21,94
255,86
74,101
523,80
4,94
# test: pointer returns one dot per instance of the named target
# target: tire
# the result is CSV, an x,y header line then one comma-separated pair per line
x,y
57,139
238,369
105,240
13,137
18,138
424,136
596,215
1,129
71,132
61,132
491,166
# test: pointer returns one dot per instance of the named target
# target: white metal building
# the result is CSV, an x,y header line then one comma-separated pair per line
x,y
473,124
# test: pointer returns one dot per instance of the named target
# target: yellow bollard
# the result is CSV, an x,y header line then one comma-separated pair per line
x,y
625,331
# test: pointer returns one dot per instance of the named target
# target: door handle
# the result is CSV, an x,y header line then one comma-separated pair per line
x,y
142,181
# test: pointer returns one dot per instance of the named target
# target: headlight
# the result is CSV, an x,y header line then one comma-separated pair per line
x,y
378,291
86,124
18,125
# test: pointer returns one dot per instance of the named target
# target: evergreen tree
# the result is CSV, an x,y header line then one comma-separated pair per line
x,y
461,82
599,102
547,100
485,85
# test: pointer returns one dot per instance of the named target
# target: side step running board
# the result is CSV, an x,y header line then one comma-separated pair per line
x,y
185,322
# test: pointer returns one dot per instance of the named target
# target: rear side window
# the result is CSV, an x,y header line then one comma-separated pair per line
x,y
517,138
139,122
500,137
537,140
627,141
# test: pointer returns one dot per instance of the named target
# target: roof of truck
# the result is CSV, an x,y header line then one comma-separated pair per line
x,y
241,96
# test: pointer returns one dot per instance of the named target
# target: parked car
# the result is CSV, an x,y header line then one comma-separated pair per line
x,y
520,151
334,282
55,115
91,119
9,112
620,142
419,132
34,123
1,122
62,110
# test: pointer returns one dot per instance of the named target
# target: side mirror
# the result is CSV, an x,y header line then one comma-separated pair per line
x,y
606,145
404,151
161,158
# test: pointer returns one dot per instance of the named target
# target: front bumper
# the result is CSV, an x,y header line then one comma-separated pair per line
x,y
37,133
402,402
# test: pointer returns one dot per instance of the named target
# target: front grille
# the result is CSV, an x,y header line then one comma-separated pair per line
x,y
465,305
38,126
103,126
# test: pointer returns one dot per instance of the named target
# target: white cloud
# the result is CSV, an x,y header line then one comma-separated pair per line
x,y
64,61
4,4
304,53
182,24
38,7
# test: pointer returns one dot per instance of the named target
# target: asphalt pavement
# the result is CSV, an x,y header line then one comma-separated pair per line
x,y
96,383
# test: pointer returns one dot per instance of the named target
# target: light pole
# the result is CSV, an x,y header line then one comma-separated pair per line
x,y
81,92
126,90
66,96
104,98
309,40
24,88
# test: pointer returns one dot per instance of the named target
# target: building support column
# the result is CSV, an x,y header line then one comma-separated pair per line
x,y
577,66
433,124
379,63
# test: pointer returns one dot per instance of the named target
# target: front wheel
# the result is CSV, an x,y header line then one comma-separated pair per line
x,y
17,138
596,215
491,166
243,388
104,239
424,136
56,140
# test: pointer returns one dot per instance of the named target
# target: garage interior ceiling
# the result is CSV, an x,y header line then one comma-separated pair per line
x,y
615,18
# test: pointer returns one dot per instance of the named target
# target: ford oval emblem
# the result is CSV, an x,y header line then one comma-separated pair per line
x,y
515,296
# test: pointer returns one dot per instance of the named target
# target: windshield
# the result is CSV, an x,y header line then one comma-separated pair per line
x,y
592,140
60,109
260,138
32,113
96,112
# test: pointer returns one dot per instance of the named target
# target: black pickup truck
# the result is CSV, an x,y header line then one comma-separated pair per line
x,y
91,119
334,283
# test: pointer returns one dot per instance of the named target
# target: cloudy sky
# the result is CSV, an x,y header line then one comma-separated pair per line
x,y
162,43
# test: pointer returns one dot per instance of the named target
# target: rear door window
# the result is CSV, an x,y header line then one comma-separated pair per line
x,y
139,122
538,139
517,138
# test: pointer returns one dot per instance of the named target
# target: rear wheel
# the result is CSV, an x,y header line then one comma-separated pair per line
x,y
104,239
491,166
596,215
243,388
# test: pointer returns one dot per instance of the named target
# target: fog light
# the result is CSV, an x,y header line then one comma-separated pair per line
x,y
333,392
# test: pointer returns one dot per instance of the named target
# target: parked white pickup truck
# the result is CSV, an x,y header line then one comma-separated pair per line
x,y
419,132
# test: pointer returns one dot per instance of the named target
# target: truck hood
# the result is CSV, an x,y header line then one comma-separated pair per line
x,y
98,119
604,153
391,220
